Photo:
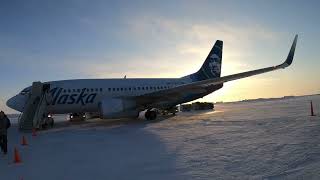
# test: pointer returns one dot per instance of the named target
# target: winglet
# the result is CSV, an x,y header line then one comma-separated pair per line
x,y
289,59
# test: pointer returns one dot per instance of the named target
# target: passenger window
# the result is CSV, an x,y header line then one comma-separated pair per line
x,y
109,89
121,89
129,89
142,88
26,91
146,88
138,88
125,89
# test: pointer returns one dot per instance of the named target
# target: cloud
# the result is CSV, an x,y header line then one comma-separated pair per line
x,y
174,48
165,28
170,47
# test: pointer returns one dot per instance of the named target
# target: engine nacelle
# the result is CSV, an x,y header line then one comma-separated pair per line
x,y
117,108
148,114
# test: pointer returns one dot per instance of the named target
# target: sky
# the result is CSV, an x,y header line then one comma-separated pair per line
x,y
42,40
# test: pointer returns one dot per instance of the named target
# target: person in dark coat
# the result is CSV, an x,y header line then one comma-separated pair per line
x,y
4,125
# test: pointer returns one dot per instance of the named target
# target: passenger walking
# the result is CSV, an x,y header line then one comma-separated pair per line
x,y
4,125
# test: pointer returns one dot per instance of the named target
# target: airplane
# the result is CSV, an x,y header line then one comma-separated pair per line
x,y
140,97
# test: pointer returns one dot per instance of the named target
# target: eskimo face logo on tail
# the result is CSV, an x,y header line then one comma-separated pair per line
x,y
214,64
82,98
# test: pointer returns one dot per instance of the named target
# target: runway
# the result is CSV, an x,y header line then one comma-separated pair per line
x,y
249,140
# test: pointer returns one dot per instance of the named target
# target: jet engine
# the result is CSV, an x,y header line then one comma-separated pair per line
x,y
148,114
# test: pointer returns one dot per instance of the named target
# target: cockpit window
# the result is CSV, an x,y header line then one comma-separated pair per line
x,y
26,91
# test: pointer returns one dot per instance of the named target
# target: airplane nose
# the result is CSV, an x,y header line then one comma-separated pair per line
x,y
17,102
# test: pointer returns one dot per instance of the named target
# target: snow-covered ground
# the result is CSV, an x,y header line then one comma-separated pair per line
x,y
251,140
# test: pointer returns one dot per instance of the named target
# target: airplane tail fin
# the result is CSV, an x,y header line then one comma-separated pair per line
x,y
211,68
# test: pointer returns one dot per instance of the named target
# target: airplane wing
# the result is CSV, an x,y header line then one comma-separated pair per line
x,y
200,86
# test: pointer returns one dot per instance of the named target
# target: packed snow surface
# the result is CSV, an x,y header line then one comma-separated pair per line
x,y
275,139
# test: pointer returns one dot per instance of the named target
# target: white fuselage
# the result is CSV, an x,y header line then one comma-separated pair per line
x,y
84,95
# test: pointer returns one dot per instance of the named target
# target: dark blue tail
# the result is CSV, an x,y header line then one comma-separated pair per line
x,y
211,67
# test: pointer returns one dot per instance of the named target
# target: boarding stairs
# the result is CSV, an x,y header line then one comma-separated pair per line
x,y
35,109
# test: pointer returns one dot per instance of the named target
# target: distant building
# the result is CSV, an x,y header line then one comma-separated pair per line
x,y
196,106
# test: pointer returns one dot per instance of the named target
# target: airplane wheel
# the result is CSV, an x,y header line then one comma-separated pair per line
x,y
52,123
151,115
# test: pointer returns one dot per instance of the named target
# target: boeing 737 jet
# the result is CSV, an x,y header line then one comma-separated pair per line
x,y
139,97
